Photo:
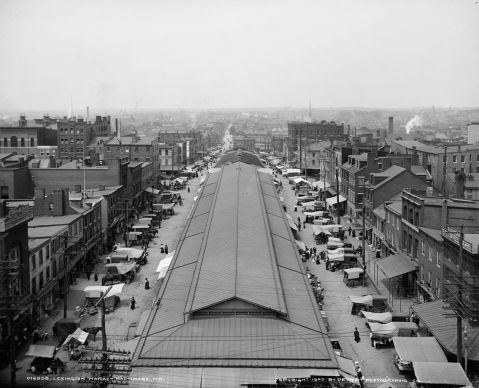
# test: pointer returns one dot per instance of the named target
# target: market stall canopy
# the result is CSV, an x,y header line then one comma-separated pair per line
x,y
152,190
378,317
141,227
46,351
391,329
396,265
293,171
134,253
333,200
300,245
96,291
318,229
168,206
319,213
292,225
338,257
366,300
309,204
321,184
425,349
332,239
340,250
442,373
353,273
300,180
119,268
78,336
178,180
202,180
281,199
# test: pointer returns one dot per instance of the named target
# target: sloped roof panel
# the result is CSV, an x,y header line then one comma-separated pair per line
x,y
214,342
197,225
273,206
188,250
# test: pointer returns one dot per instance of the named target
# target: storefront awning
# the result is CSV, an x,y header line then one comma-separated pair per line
x,y
419,349
333,200
443,373
46,351
292,225
331,191
396,265
439,319
152,190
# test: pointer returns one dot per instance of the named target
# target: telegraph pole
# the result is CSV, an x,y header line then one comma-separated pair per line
x,y
364,231
337,195
459,298
103,333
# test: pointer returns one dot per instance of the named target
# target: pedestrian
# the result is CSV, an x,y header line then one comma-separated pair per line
x,y
354,233
166,249
349,231
132,303
299,226
371,338
356,335
304,224
299,220
88,274
95,277
359,373
188,189
397,289
147,284
314,250
162,249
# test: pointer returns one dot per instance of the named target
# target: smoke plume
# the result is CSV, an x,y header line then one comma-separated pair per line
x,y
416,121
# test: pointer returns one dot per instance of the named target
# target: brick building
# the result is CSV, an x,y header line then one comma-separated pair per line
x,y
75,134
27,138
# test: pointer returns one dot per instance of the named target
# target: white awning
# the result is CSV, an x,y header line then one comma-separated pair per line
x,y
377,317
152,191
292,225
333,200
95,291
46,351
321,184
164,264
79,335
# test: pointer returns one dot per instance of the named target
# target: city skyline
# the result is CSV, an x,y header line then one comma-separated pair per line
x,y
220,55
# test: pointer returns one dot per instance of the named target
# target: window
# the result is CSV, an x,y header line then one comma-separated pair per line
x,y
22,142
13,141
32,142
421,273
166,152
470,157
47,274
40,277
313,162
463,158
33,261
40,257
108,149
48,252
147,149
4,192
5,142
454,158
34,285
430,254
422,247
437,259
50,206
438,288
429,278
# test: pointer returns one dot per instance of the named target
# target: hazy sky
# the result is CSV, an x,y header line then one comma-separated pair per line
x,y
207,54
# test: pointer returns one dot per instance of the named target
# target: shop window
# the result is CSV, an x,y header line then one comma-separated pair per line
x,y
4,192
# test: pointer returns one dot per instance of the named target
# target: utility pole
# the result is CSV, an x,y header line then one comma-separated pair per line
x,y
13,361
459,298
103,333
337,195
364,230
465,349
444,171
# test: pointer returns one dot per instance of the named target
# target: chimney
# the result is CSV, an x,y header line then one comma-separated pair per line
x,y
390,124
349,130
87,113
23,121
459,183
444,213
77,188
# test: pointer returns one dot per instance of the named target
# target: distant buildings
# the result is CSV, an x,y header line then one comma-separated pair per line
x,y
473,133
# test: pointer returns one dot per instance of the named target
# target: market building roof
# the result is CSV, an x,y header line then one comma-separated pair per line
x,y
239,155
235,294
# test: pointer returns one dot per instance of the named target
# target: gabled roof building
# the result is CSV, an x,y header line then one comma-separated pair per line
x,y
235,306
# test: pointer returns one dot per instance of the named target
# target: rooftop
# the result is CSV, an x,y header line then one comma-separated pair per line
x,y
236,274
239,155
390,173
40,221
409,144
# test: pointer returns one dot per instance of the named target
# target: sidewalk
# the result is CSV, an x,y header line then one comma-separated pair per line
x,y
376,363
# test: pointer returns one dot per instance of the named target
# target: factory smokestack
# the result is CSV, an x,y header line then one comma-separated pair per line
x,y
391,124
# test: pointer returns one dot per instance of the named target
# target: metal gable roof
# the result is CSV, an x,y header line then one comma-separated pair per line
x,y
396,265
419,349
236,246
